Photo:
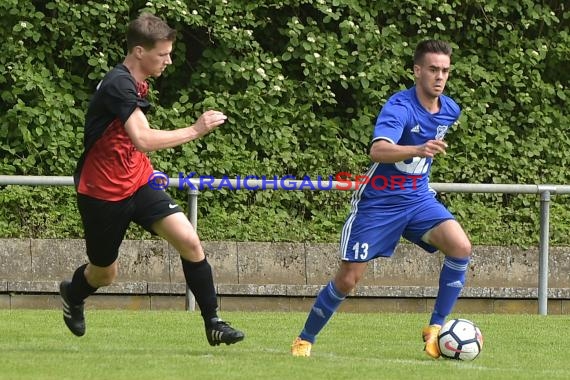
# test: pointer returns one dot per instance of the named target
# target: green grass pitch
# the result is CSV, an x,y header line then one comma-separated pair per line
x,y
35,344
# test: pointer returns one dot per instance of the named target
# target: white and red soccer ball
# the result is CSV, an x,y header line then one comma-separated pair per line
x,y
460,339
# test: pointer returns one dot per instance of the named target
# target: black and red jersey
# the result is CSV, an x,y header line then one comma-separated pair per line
x,y
112,168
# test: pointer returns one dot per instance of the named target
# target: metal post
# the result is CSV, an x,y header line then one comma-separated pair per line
x,y
193,217
543,253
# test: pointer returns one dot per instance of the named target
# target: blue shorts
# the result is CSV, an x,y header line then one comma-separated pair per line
x,y
371,233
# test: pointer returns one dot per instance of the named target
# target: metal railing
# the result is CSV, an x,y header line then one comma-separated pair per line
x,y
545,192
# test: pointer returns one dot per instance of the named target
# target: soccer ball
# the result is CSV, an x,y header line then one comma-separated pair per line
x,y
460,339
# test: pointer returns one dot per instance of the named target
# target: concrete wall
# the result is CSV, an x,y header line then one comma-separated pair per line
x,y
282,276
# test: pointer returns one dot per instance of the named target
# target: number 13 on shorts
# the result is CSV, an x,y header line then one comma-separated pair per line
x,y
360,251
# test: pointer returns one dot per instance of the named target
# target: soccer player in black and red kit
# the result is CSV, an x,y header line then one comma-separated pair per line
x,y
112,180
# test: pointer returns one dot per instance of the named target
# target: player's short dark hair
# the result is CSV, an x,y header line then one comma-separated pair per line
x,y
146,30
431,46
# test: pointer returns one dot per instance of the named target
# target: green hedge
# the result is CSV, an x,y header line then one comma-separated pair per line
x,y
302,82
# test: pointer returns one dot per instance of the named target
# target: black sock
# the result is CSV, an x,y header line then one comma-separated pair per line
x,y
79,289
201,283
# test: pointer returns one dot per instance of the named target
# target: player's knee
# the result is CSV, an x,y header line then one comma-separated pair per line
x,y
465,249
462,250
346,283
191,248
193,245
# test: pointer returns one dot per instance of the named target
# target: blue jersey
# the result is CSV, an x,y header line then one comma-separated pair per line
x,y
404,121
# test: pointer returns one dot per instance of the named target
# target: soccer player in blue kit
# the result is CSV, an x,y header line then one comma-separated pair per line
x,y
409,133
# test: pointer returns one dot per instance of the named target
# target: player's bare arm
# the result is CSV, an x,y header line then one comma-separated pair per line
x,y
147,139
386,152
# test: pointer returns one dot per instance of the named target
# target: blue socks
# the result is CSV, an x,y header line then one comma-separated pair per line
x,y
451,281
328,300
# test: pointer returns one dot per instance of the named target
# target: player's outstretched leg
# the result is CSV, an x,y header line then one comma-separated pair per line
x,y
327,302
73,314
220,331
200,281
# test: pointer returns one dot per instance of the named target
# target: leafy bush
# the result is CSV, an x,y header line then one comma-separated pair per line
x,y
302,83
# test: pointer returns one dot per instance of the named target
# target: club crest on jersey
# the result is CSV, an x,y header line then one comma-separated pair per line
x,y
441,131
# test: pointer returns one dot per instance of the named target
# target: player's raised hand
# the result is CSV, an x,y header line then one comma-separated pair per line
x,y
209,121
433,147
